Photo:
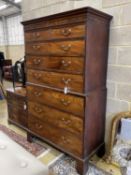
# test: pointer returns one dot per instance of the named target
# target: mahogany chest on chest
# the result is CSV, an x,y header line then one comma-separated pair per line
x,y
66,67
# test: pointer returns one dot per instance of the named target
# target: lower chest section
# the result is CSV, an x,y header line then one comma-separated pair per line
x,y
56,117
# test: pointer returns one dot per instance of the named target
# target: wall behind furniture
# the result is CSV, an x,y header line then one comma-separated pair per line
x,y
119,65
2,42
12,38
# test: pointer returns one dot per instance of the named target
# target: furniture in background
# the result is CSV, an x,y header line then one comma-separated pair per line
x,y
119,148
7,69
2,91
18,71
115,128
66,66
1,58
1,65
17,107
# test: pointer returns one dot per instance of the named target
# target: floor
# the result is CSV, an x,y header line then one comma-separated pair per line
x,y
51,155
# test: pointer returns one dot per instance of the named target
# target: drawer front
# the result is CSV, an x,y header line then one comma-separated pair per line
x,y
14,99
63,139
57,21
17,115
63,64
67,103
57,118
58,33
56,80
59,48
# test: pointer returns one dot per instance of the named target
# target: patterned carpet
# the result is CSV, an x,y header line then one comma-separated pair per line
x,y
66,166
33,148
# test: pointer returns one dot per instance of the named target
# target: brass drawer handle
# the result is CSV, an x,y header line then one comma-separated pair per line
x,y
65,121
36,47
65,102
66,64
37,94
66,48
36,61
37,76
66,81
68,122
38,126
36,35
66,32
38,110
64,140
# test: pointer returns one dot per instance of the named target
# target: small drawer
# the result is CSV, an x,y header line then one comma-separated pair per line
x,y
76,31
68,103
13,98
17,115
61,138
56,80
74,65
57,118
59,48
55,22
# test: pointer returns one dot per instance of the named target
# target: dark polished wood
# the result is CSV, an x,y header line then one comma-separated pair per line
x,y
17,107
66,64
59,80
57,48
67,103
17,114
64,18
54,22
75,31
60,119
73,65
61,137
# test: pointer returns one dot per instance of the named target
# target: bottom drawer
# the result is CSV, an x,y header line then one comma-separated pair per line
x,y
59,119
62,138
17,115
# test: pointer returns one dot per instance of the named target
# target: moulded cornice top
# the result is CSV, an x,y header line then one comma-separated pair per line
x,y
71,12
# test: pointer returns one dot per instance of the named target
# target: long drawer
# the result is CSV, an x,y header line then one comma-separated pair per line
x,y
55,22
57,118
73,65
59,48
56,33
57,80
67,103
62,138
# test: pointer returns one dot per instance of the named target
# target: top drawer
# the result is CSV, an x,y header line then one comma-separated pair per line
x,y
58,20
76,31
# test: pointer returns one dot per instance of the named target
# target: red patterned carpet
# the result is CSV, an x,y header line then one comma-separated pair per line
x,y
33,148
